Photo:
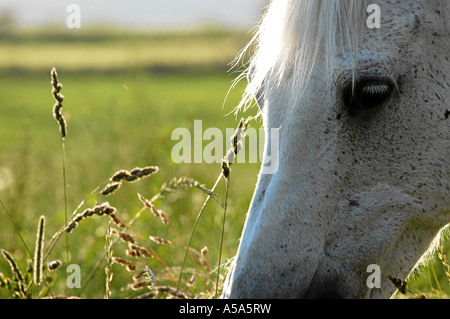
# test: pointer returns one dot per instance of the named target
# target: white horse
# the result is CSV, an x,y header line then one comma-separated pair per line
x,y
364,147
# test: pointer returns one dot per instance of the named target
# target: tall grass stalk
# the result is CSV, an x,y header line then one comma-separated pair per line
x,y
227,182
108,267
16,228
228,160
439,290
65,199
160,214
443,259
199,215
59,98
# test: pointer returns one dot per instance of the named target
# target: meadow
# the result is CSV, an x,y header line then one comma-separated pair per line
x,y
124,94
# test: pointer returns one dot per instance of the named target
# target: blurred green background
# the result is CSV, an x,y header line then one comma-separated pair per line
x,y
125,91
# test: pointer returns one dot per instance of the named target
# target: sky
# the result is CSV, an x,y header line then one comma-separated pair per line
x,y
139,13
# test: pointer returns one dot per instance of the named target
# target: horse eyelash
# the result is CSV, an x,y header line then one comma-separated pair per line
x,y
375,89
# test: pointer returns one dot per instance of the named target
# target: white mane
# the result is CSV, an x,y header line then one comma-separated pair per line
x,y
291,35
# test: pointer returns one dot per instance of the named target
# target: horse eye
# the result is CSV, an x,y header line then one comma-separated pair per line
x,y
367,97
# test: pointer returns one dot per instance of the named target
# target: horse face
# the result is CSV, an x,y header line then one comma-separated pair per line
x,y
364,166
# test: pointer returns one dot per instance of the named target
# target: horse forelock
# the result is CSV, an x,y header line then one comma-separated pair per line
x,y
290,37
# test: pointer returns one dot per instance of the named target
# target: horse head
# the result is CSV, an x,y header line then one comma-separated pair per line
x,y
363,173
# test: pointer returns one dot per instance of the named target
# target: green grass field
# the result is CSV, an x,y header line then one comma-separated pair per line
x,y
120,113
124,95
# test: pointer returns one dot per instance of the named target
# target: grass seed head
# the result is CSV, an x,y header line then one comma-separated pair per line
x,y
120,175
148,204
124,236
148,295
225,168
15,269
151,276
171,291
110,188
57,108
192,280
70,226
163,217
100,210
134,174
138,250
130,267
53,265
139,285
200,257
139,275
398,283
160,240
121,261
38,253
133,253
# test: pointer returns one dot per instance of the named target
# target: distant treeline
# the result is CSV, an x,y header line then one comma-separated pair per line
x,y
104,33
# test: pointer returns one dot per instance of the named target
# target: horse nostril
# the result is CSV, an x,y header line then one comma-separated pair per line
x,y
367,95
